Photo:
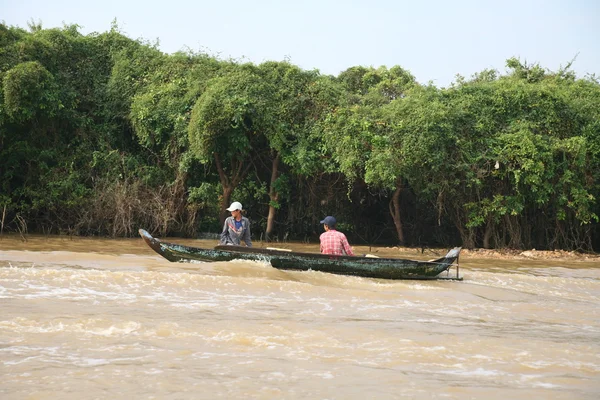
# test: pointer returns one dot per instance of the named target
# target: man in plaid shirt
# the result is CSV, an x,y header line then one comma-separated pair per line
x,y
332,241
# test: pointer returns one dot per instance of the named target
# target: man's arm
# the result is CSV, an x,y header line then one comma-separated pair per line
x,y
225,233
247,234
346,246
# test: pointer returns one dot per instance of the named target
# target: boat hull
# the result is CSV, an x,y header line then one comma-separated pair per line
x,y
384,268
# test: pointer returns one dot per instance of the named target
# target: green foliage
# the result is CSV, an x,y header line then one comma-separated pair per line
x,y
101,134
376,86
422,140
348,136
160,112
359,136
282,186
529,73
526,148
30,91
227,115
131,66
205,195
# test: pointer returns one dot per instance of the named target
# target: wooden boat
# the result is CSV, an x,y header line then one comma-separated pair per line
x,y
385,268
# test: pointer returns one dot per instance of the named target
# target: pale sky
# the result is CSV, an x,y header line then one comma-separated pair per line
x,y
434,40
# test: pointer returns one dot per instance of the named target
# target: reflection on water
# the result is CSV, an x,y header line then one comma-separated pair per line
x,y
87,318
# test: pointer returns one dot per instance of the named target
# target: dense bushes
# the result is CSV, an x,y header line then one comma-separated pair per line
x,y
102,135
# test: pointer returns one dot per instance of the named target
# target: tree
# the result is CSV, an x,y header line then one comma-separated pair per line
x,y
523,160
226,126
160,115
357,130
297,102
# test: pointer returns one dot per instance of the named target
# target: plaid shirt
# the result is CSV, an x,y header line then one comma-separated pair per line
x,y
334,242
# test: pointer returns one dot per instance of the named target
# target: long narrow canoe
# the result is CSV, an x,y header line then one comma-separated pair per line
x,y
385,268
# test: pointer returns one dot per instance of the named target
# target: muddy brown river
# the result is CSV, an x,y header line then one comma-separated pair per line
x,y
85,318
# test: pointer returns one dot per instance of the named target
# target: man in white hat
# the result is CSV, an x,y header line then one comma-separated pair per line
x,y
236,228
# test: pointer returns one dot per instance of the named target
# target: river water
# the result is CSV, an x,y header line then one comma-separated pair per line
x,y
103,319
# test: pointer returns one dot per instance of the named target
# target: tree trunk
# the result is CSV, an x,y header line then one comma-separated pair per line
x,y
487,235
229,183
395,211
273,198
225,201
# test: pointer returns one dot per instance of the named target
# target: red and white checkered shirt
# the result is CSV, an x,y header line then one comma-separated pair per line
x,y
334,242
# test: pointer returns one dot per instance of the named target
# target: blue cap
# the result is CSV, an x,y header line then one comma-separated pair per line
x,y
329,221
